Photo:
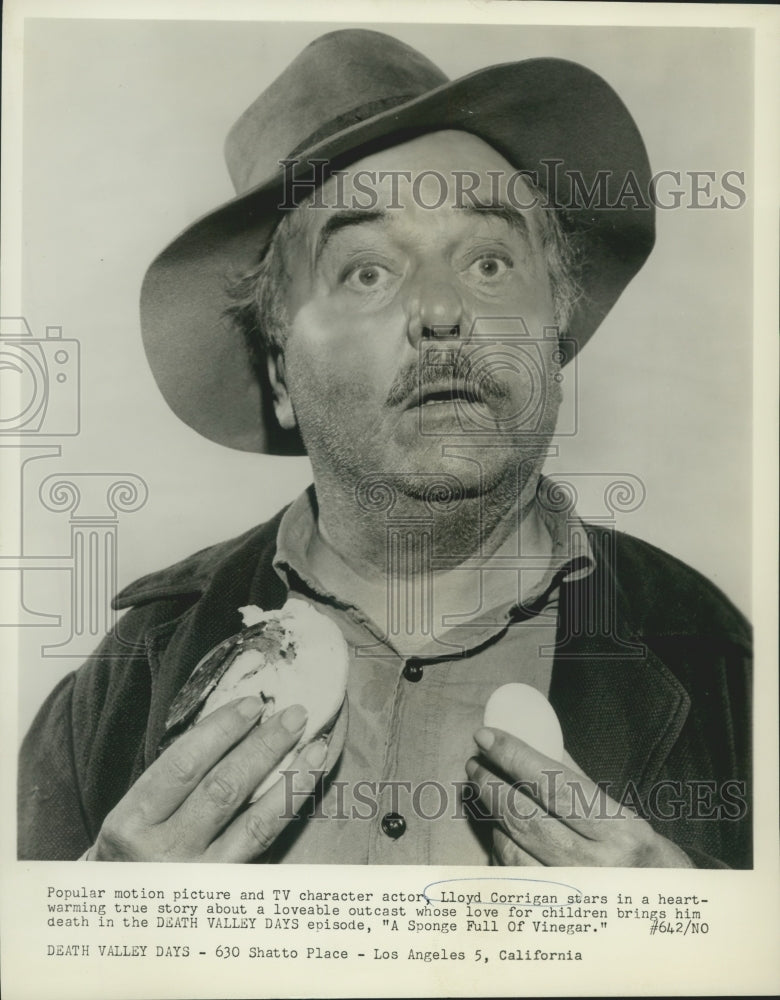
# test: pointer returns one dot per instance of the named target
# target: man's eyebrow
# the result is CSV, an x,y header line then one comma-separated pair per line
x,y
343,220
511,216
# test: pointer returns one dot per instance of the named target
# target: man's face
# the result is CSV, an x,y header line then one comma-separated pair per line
x,y
415,327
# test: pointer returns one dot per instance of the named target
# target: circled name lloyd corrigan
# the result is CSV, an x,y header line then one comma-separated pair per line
x,y
414,350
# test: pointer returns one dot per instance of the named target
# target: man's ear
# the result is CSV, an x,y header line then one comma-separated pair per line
x,y
283,407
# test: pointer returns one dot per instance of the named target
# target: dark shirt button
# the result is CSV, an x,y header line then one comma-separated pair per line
x,y
393,825
413,671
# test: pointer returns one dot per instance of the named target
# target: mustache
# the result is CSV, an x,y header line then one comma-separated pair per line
x,y
476,380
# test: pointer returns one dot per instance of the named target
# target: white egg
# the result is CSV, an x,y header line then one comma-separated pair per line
x,y
524,712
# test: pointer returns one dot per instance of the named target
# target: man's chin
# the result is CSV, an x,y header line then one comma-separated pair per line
x,y
459,469
435,469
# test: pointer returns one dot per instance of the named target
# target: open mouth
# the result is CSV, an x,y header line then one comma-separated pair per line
x,y
435,395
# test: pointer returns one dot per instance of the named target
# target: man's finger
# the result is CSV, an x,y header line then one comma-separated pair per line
x,y
528,824
507,852
253,832
228,785
570,762
163,787
567,793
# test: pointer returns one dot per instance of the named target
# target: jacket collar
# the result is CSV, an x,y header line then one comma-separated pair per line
x,y
195,575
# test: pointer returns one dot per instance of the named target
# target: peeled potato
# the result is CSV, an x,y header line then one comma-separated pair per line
x,y
524,712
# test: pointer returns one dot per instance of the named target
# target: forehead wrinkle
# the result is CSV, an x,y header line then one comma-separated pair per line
x,y
343,220
350,218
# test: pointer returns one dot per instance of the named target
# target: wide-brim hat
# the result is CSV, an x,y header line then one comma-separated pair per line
x,y
349,94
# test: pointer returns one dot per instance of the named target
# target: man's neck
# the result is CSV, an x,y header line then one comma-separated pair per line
x,y
361,530
461,570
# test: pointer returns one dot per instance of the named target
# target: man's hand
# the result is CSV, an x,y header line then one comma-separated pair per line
x,y
188,806
550,813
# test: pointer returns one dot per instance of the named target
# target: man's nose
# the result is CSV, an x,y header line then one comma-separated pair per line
x,y
435,312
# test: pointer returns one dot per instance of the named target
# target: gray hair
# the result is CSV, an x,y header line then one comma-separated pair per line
x,y
259,310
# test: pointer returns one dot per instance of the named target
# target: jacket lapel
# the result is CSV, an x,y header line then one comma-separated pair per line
x,y
620,707
620,716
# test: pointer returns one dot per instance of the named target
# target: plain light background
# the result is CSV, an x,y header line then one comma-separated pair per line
x,y
123,131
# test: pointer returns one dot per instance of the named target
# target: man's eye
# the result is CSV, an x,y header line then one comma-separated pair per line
x,y
366,276
491,266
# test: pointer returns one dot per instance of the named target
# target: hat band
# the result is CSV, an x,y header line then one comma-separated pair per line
x,y
351,117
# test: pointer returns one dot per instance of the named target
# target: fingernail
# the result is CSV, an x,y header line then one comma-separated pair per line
x,y
471,767
316,753
294,718
485,738
251,707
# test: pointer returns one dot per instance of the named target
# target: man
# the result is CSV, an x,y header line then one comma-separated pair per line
x,y
409,291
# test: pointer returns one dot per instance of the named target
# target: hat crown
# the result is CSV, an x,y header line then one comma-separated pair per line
x,y
339,79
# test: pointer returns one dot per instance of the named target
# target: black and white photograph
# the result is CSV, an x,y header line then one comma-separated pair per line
x,y
381,450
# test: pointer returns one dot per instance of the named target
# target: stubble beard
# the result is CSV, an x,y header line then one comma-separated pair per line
x,y
464,501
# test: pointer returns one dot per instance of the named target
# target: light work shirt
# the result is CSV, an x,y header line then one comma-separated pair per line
x,y
398,793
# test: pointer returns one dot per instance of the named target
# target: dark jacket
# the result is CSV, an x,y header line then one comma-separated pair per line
x,y
651,683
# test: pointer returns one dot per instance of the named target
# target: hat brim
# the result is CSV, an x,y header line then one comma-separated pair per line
x,y
532,112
